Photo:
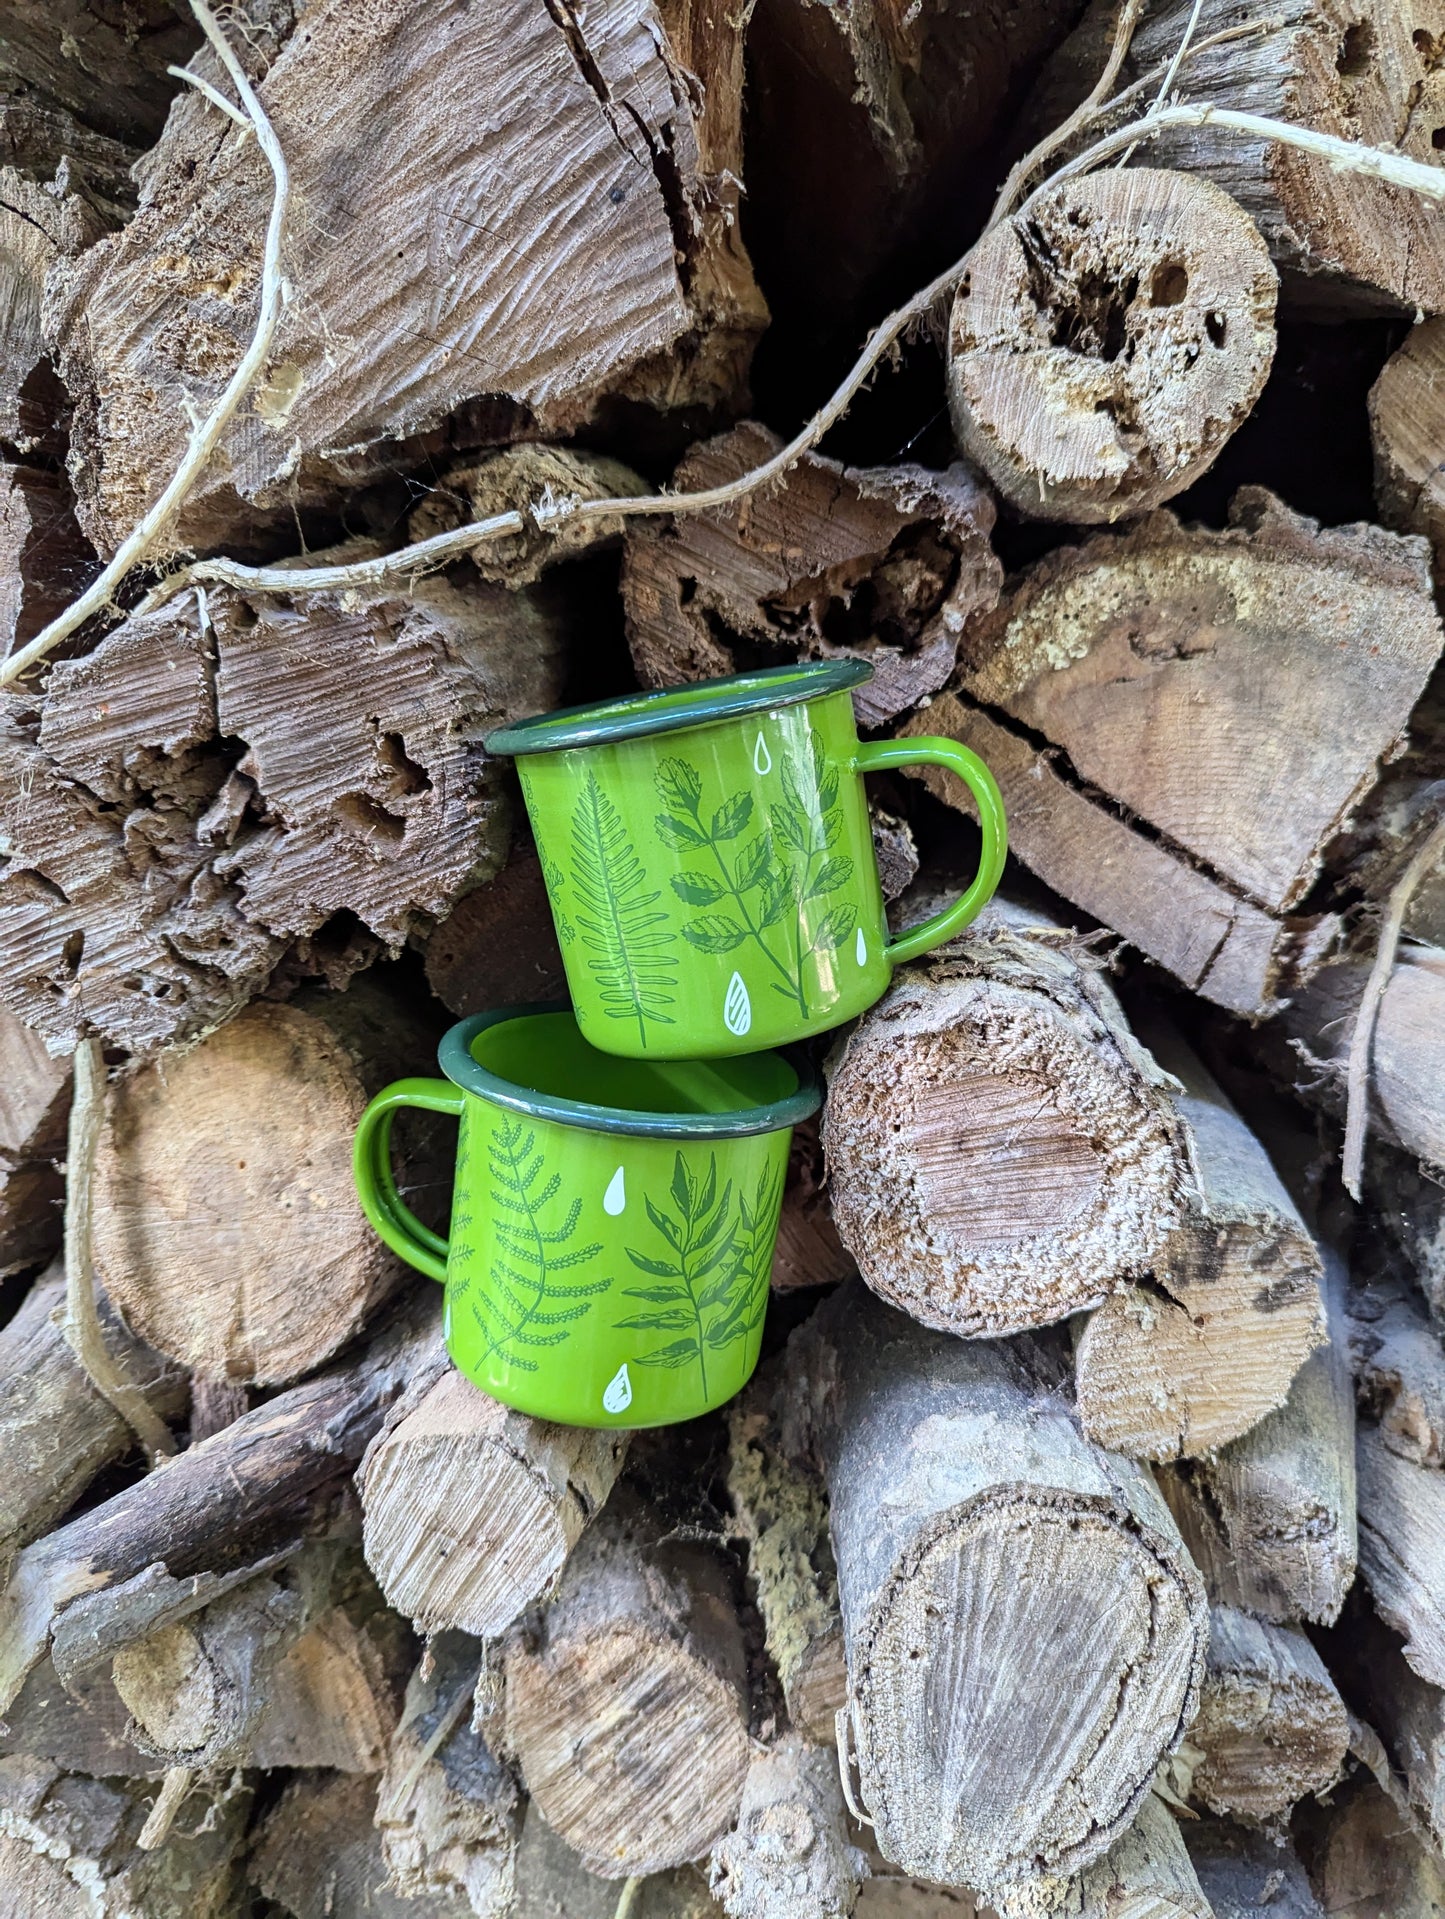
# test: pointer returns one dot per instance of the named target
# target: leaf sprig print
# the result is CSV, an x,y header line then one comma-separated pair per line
x,y
703,1276
528,1308
617,916
773,891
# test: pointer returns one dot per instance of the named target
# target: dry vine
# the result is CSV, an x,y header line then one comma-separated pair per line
x,y
423,556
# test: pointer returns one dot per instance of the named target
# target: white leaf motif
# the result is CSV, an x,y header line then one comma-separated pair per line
x,y
762,758
737,1007
618,1396
860,948
615,1198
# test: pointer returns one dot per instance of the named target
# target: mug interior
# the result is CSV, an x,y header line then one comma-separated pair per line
x,y
545,1053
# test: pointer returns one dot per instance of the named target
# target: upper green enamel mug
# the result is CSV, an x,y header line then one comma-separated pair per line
x,y
709,861
612,1220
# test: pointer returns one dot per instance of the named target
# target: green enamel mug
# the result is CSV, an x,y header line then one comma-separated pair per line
x,y
709,861
613,1221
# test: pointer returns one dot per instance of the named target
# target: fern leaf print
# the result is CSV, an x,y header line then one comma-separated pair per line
x,y
628,938
529,1305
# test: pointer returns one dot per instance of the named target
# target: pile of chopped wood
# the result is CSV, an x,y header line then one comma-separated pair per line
x,y
1079,1545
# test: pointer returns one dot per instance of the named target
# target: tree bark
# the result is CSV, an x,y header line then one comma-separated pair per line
x,y
972,1520
498,945
1271,1725
1001,1151
1251,1875
472,1509
449,1814
781,1509
662,303
1184,1365
56,1431
110,71
170,1543
1343,243
627,1715
318,1855
1270,1518
68,1848
1407,430
883,564
1105,345
1402,1549
807,1251
227,1229
168,787
1146,1874
789,1855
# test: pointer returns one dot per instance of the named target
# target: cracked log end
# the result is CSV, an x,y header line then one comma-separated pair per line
x,y
1407,430
1105,343
999,1154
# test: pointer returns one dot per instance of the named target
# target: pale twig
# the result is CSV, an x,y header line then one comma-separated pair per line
x,y
144,537
1170,74
1357,1081
1065,131
81,1324
162,1815
628,1901
213,94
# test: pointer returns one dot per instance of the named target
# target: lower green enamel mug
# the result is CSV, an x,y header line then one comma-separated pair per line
x,y
613,1220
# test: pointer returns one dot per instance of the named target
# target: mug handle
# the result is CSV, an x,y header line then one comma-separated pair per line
x,y
403,1232
873,756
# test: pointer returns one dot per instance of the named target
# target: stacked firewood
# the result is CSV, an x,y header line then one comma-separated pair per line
x,y
1079,1545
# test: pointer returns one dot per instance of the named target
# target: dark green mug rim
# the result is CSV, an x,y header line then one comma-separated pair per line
x,y
454,1056
699,703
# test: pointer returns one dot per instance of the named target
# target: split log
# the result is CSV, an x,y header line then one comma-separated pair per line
x,y
220,1513
1270,1518
80,1727
176,841
1373,1865
1406,1712
319,1856
1271,1725
1001,1151
56,1431
1184,1365
45,557
449,1814
227,1230
110,70
498,945
68,1848
781,1509
1407,430
34,1112
789,1855
1105,345
389,339
627,1714
1251,1875
553,1883
1407,1053
472,1509
883,564
1146,1874
1402,1549
807,1251
1156,704
336,1694
988,1556
1344,243
1399,1367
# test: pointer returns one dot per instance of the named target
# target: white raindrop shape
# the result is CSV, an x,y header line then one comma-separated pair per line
x,y
615,1198
737,1007
762,758
618,1394
860,948
447,1320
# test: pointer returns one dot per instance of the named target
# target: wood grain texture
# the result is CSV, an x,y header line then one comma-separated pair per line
x,y
34,1112
107,69
789,1855
1146,1874
178,839
882,564
318,1855
1407,432
1402,1548
227,1229
471,1509
1104,346
46,559
1001,1151
1399,1366
626,1712
1182,1366
971,1520
498,945
1372,1865
1271,1726
470,227
1270,1518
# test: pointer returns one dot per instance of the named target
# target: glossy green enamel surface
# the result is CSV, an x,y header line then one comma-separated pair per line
x,y
714,885
597,1275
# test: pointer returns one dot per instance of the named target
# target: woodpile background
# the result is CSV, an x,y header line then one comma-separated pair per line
x,y
1079,1546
